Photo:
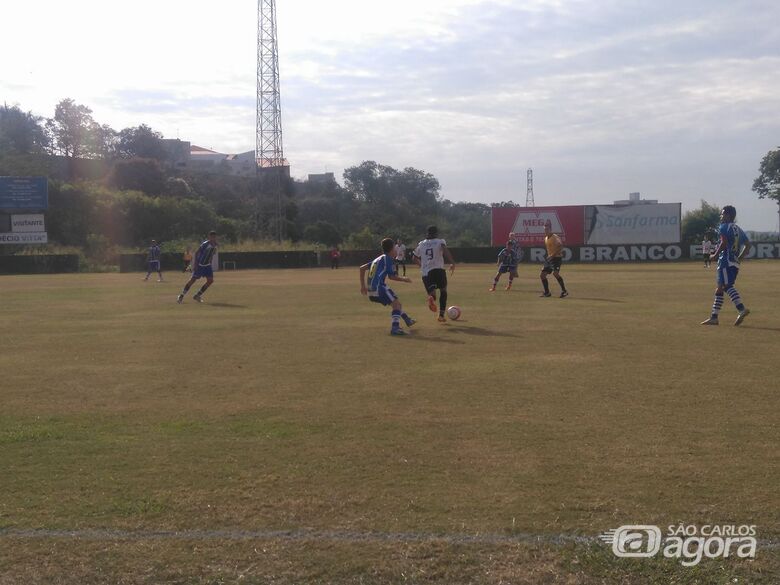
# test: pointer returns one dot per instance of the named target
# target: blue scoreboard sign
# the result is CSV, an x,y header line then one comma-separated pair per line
x,y
24,193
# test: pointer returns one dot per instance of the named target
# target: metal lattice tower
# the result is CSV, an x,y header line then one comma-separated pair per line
x,y
529,196
268,145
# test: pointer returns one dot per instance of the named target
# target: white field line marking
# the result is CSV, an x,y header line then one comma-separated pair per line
x,y
107,534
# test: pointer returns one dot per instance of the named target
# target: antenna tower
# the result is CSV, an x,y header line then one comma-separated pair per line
x,y
269,153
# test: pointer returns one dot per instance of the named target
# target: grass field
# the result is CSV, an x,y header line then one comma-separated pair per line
x,y
278,434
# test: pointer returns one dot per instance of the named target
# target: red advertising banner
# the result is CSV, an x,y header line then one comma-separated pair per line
x,y
527,224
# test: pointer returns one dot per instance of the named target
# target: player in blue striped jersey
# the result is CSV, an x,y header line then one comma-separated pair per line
x,y
153,261
733,246
507,262
202,268
379,270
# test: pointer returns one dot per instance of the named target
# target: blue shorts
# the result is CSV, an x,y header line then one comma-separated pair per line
x,y
203,272
154,265
727,275
505,268
384,296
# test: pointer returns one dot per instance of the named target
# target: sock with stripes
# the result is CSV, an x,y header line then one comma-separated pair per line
x,y
396,317
717,305
735,298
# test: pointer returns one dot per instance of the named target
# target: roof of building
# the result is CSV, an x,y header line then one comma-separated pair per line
x,y
195,149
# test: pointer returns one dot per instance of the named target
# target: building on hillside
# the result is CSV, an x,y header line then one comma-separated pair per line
x,y
183,155
178,152
322,178
636,199
203,159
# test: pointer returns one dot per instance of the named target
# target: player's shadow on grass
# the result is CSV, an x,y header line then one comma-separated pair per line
x,y
227,306
481,331
418,337
570,299
761,328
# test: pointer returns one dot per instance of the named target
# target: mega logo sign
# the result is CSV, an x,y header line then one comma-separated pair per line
x,y
526,224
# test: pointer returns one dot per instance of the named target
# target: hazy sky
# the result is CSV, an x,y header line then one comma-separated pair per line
x,y
678,100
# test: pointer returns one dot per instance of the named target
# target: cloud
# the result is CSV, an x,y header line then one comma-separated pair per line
x,y
677,99
664,91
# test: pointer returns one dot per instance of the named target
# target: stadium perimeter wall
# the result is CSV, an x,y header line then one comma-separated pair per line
x,y
39,264
583,254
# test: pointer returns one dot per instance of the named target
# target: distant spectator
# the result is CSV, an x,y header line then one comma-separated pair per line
x,y
400,256
187,260
335,256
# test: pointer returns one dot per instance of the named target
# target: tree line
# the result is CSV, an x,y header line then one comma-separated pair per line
x,y
131,193
135,195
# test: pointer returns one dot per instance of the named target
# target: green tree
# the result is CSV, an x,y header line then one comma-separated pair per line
x,y
369,182
322,232
138,174
141,142
363,240
21,132
393,201
468,224
102,142
177,187
72,130
71,214
701,222
767,184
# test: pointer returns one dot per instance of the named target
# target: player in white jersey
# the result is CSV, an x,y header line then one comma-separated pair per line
x,y
706,250
430,255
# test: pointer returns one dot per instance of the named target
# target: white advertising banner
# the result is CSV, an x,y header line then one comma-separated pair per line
x,y
24,238
27,223
632,224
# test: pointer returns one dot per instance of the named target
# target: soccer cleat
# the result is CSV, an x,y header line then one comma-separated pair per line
x,y
409,322
179,299
159,280
492,288
742,316
442,319
398,331
508,287
197,298
432,303
710,321
545,295
564,294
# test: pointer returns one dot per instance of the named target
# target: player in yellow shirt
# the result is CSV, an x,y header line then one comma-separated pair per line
x,y
552,263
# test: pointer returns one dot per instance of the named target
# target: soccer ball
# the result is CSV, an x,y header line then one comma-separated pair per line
x,y
454,312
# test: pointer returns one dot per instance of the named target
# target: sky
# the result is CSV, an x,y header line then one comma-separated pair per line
x,y
677,100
